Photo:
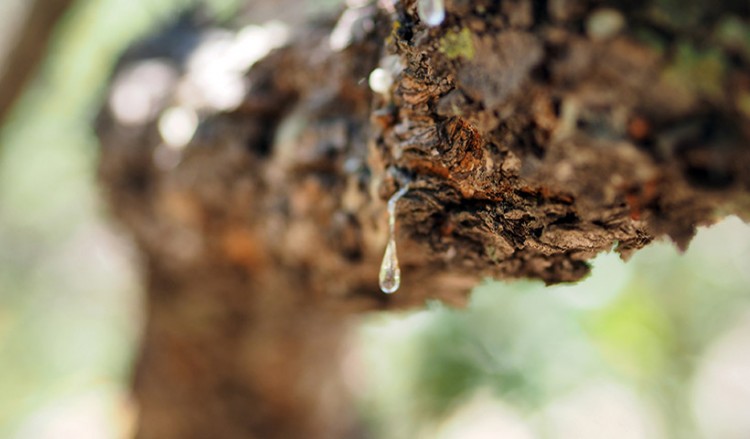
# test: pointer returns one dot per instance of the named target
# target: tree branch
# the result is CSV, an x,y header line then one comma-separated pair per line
x,y
38,20
535,135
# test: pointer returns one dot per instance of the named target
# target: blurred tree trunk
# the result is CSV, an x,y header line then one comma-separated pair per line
x,y
27,27
534,136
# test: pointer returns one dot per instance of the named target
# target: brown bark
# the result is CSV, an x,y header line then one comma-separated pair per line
x,y
28,47
535,135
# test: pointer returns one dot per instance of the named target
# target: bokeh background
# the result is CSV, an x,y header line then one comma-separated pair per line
x,y
658,347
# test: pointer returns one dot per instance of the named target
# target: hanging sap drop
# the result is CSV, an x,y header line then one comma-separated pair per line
x,y
390,272
431,12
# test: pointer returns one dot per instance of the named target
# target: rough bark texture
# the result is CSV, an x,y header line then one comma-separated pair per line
x,y
534,135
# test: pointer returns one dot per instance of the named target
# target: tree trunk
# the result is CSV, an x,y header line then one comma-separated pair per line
x,y
532,136
27,29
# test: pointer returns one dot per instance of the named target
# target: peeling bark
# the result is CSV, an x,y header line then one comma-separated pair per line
x,y
534,135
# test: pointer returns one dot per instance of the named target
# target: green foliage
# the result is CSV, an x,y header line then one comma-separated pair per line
x,y
644,325
69,314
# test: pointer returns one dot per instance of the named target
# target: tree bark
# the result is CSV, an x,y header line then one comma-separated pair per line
x,y
533,135
28,38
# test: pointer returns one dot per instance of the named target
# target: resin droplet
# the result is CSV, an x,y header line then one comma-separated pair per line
x,y
390,272
432,12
